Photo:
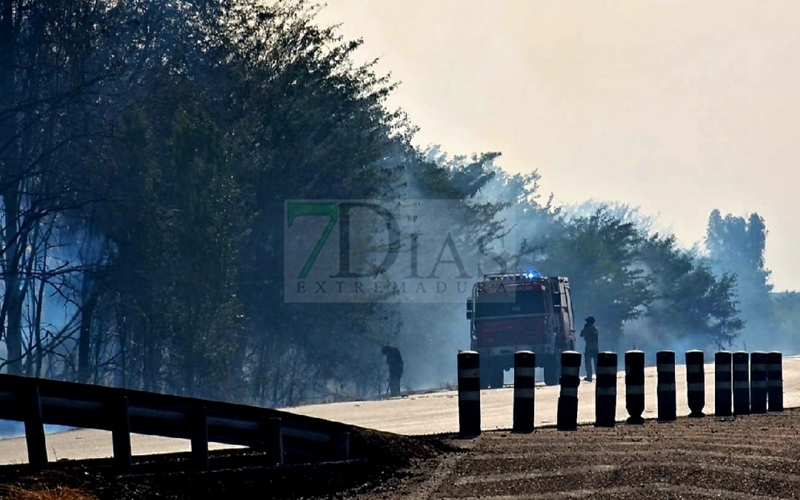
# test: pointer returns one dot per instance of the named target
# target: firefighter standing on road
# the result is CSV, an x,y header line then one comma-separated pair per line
x,y
395,362
590,334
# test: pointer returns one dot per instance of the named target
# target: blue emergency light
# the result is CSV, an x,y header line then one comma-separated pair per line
x,y
528,275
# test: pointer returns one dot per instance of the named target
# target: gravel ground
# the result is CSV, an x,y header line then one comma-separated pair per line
x,y
752,457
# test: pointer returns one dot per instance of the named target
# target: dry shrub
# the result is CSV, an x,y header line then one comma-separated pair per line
x,y
57,493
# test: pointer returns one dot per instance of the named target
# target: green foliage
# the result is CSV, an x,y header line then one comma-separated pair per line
x,y
178,225
690,302
621,211
736,245
600,255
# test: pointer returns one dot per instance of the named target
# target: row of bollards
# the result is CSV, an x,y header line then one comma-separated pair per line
x,y
744,383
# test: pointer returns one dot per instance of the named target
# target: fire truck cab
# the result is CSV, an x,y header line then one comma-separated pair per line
x,y
520,311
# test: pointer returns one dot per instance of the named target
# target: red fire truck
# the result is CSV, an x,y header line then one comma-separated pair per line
x,y
521,311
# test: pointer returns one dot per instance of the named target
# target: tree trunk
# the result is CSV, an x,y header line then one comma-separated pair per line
x,y
9,189
88,304
14,295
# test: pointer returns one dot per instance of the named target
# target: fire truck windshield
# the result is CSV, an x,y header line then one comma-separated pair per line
x,y
493,305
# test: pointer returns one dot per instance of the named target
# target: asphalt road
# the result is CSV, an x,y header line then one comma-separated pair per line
x,y
431,413
437,412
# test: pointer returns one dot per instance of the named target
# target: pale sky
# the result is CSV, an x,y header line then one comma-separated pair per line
x,y
677,107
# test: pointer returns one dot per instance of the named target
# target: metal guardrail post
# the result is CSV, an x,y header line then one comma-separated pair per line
x,y
567,416
634,386
524,390
273,428
775,381
605,398
341,446
758,382
121,435
34,427
695,383
199,423
665,386
722,384
469,393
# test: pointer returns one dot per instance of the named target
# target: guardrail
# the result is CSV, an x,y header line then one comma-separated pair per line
x,y
280,435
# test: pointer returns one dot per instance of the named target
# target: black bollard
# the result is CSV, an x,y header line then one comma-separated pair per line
x,y
634,386
567,418
758,382
741,383
524,390
665,390
695,383
775,381
469,394
605,399
722,384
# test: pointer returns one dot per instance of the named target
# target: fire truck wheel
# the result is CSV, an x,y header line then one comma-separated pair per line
x,y
491,375
550,367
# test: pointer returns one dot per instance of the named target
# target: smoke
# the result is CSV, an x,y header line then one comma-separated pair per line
x,y
645,224
51,273
646,335
431,334
50,312
737,245
786,314
767,331
430,337
432,329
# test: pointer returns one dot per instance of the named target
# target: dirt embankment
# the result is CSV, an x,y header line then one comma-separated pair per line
x,y
754,457
239,474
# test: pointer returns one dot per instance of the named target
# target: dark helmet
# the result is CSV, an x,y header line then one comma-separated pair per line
x,y
590,320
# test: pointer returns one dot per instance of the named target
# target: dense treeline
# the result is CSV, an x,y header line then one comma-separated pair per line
x,y
147,150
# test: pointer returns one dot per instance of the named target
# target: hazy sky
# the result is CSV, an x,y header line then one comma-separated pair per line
x,y
678,107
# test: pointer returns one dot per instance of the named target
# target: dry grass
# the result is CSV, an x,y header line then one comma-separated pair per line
x,y
57,493
449,386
